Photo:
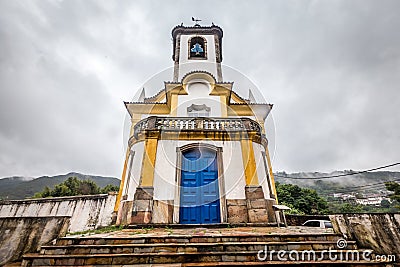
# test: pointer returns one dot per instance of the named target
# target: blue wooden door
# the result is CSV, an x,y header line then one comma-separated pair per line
x,y
199,200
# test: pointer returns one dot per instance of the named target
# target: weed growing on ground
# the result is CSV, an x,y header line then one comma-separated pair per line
x,y
102,230
169,230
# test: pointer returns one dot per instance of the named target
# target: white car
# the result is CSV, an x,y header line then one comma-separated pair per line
x,y
318,223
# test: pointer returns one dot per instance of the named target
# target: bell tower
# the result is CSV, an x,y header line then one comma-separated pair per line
x,y
197,48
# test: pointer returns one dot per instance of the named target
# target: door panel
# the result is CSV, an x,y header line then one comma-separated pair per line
x,y
199,200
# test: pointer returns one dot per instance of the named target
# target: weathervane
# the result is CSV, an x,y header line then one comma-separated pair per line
x,y
196,21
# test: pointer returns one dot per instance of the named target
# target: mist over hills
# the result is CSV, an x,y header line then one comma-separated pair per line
x,y
368,183
25,187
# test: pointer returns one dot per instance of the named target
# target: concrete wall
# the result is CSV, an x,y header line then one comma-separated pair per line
x,y
380,232
24,235
86,212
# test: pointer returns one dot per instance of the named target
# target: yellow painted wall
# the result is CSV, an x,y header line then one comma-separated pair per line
x,y
249,163
149,161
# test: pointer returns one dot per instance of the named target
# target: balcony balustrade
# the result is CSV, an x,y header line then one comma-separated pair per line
x,y
196,124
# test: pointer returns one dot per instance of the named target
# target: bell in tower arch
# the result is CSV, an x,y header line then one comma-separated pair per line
x,y
197,46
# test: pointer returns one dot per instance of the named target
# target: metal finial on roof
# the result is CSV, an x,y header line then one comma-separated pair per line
x,y
196,21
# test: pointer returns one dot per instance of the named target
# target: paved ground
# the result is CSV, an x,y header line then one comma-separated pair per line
x,y
291,230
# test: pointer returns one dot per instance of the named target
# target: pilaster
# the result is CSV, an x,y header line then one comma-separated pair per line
x,y
149,161
249,162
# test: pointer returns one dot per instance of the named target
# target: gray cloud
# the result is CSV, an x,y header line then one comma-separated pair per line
x,y
331,69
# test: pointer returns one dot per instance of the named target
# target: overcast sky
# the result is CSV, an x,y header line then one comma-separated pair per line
x,y
331,69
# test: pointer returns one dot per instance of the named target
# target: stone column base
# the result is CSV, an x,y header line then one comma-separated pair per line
x,y
124,212
253,209
259,209
142,205
237,211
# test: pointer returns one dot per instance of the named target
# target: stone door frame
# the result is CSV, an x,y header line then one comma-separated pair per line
x,y
178,173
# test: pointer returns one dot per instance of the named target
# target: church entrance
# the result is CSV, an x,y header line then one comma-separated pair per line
x,y
199,193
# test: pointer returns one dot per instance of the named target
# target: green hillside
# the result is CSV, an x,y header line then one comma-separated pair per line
x,y
364,183
372,182
21,188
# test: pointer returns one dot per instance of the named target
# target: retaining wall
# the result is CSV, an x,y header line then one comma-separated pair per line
x,y
20,235
380,232
86,212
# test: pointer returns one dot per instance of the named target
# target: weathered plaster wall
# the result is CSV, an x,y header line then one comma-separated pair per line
x,y
165,168
262,169
380,232
198,93
86,212
235,181
23,235
133,172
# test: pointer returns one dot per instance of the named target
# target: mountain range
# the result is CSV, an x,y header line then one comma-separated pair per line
x,y
365,183
24,187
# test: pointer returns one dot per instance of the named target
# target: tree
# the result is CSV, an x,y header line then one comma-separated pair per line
x,y
350,208
385,203
395,188
303,200
74,187
109,188
88,187
45,193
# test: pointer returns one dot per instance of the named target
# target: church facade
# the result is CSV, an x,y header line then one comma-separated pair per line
x,y
197,151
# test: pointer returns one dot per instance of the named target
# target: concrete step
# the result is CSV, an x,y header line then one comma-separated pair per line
x,y
13,264
142,239
191,247
184,257
198,247
191,226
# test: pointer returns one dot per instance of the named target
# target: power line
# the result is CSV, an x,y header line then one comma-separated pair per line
x,y
356,190
373,186
338,175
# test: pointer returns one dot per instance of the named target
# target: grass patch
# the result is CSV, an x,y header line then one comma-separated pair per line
x,y
102,230
147,229
169,230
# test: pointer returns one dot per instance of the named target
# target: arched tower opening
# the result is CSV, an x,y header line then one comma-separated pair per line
x,y
197,48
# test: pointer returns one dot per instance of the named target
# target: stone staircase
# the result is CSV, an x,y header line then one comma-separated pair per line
x,y
200,247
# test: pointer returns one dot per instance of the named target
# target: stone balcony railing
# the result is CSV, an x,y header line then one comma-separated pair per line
x,y
196,124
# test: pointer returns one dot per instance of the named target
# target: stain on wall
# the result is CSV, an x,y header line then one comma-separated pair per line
x,y
20,235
